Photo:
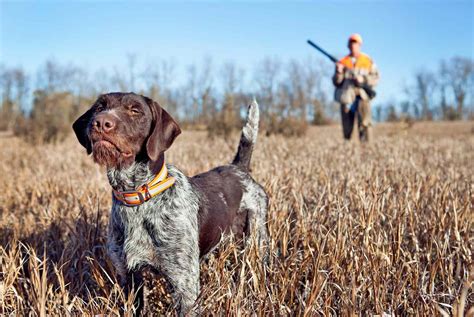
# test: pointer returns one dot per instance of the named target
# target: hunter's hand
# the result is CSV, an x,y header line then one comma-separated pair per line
x,y
339,68
359,80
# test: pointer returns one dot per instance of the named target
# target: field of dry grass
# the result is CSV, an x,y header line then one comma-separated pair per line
x,y
364,230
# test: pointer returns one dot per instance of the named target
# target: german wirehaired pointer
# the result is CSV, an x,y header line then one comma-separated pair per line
x,y
162,219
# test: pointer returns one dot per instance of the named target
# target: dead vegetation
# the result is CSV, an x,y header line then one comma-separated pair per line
x,y
383,228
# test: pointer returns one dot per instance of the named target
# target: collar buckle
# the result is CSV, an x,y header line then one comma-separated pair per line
x,y
147,192
160,183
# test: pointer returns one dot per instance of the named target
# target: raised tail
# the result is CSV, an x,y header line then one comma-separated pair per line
x,y
248,137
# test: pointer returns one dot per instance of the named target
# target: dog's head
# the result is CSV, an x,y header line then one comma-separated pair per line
x,y
120,128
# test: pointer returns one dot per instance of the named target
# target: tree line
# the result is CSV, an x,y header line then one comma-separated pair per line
x,y
445,93
292,94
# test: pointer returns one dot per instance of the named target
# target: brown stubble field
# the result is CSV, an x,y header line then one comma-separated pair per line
x,y
356,230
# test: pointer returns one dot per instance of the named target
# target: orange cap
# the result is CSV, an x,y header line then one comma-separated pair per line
x,y
356,38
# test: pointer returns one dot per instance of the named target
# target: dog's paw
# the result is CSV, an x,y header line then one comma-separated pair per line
x,y
157,292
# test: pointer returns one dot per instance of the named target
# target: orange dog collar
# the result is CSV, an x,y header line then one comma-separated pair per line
x,y
159,184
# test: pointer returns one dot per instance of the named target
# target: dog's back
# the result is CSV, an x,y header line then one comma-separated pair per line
x,y
224,191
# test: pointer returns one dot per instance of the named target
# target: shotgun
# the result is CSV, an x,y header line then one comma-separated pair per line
x,y
369,90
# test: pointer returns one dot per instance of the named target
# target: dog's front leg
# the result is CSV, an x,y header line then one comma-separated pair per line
x,y
181,270
129,281
177,260
187,289
115,241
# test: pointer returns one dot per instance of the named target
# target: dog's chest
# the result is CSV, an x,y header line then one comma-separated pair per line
x,y
156,230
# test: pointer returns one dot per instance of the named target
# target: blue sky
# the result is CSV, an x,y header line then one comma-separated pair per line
x,y
401,36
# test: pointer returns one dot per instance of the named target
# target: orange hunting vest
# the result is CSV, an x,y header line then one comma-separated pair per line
x,y
363,62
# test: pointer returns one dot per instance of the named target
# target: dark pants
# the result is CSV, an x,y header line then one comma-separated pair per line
x,y
360,109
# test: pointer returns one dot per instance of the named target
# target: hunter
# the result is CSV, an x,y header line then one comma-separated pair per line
x,y
355,77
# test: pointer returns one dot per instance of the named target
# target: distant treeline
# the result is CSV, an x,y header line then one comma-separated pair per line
x,y
291,94
445,93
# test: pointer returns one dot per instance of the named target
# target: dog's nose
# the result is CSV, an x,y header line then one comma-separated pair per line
x,y
104,123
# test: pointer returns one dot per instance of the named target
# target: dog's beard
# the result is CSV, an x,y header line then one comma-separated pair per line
x,y
107,154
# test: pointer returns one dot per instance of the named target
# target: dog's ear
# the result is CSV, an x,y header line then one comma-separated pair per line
x,y
80,128
164,130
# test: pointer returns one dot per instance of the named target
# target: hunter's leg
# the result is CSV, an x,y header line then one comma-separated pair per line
x,y
347,117
364,120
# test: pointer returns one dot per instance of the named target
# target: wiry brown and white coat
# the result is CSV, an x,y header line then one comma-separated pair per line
x,y
129,133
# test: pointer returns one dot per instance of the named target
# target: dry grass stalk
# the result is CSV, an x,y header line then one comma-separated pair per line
x,y
386,228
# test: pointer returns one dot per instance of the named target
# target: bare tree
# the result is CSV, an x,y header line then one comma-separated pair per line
x,y
423,89
20,80
56,77
305,90
158,79
6,83
392,115
102,82
200,88
14,87
458,74
125,80
315,94
296,93
131,62
205,89
232,78
118,79
266,77
7,113
191,91
228,117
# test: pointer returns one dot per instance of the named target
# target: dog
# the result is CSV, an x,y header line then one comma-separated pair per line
x,y
161,219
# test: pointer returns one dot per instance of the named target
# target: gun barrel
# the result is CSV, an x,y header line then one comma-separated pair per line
x,y
332,58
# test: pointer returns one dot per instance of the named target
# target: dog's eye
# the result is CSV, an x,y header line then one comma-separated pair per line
x,y
134,110
101,106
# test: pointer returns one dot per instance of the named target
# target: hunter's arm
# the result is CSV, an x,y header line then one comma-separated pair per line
x,y
337,78
372,78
